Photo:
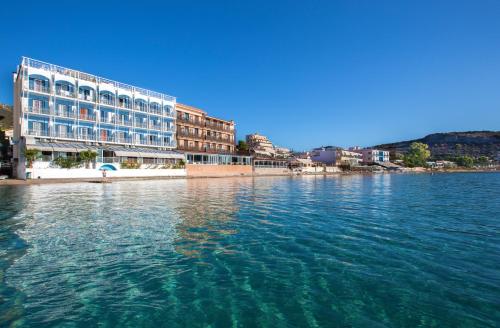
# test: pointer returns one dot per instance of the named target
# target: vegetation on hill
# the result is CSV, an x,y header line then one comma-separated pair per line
x,y
452,145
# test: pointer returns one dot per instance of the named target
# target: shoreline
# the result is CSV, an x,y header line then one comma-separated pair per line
x,y
19,182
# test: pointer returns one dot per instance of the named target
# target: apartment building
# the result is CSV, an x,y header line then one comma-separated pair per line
x,y
61,111
261,146
330,155
206,139
370,156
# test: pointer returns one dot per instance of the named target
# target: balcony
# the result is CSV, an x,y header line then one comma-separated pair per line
x,y
105,101
38,132
149,142
40,110
197,122
86,97
155,126
191,148
62,134
65,113
142,125
40,88
106,137
124,105
107,120
65,93
169,128
143,109
124,122
126,140
86,117
218,127
155,111
218,138
169,114
86,136
188,134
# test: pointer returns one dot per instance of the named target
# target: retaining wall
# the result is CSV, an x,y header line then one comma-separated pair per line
x,y
199,170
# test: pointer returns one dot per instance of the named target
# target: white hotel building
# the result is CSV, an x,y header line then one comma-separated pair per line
x,y
61,111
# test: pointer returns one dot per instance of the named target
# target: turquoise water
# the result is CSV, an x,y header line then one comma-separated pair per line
x,y
355,251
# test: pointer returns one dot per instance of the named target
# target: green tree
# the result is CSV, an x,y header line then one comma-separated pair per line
x,y
417,155
483,160
67,162
465,161
242,145
31,156
88,156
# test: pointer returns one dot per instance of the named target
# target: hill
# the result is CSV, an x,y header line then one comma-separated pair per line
x,y
443,145
5,117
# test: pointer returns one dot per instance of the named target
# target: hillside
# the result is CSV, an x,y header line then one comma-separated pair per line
x,y
442,145
5,117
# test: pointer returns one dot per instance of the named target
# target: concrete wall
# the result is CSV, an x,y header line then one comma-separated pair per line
x,y
197,170
58,173
271,171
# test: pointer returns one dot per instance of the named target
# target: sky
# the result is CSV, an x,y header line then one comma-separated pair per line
x,y
303,73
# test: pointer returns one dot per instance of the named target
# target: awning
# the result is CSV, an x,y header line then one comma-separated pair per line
x,y
40,147
127,153
163,155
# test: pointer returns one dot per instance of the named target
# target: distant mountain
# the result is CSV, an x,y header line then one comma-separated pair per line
x,y
443,145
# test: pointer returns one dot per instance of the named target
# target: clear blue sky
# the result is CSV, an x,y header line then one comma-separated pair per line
x,y
304,73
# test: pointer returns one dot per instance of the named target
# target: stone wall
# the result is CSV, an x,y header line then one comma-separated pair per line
x,y
196,170
272,171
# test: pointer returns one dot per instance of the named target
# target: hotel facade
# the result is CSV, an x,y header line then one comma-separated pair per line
x,y
205,139
62,112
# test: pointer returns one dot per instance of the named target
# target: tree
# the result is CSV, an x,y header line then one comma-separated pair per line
x,y
465,161
483,160
242,145
67,162
417,155
87,156
31,156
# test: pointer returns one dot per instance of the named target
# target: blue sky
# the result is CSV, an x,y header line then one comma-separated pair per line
x,y
304,73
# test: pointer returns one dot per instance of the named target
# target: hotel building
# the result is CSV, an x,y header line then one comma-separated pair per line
x,y
206,139
62,111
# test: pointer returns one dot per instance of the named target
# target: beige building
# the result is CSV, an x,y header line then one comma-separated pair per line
x,y
260,145
198,132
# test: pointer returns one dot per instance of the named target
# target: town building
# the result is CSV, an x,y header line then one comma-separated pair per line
x,y
330,155
206,139
62,112
371,156
260,146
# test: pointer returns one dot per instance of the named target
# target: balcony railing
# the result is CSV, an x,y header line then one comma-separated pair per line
x,y
65,93
40,110
169,114
63,134
123,122
190,121
218,138
65,113
127,140
155,111
38,132
149,142
107,120
218,127
143,125
155,126
141,108
105,101
40,88
190,134
124,105
169,128
86,117
86,97
106,137
86,136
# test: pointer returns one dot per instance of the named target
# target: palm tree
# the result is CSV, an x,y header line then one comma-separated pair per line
x,y
88,156
31,156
